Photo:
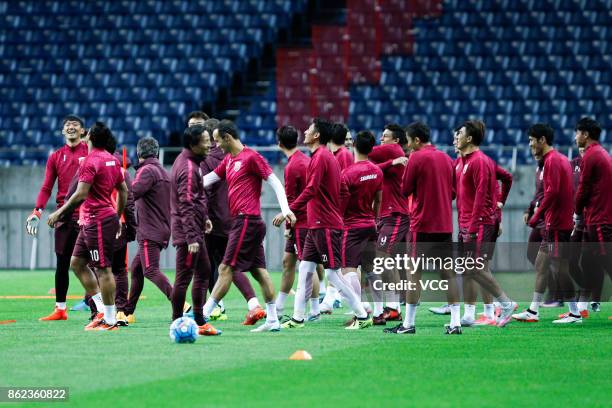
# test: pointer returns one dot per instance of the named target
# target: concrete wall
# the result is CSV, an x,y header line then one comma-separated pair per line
x,y
19,187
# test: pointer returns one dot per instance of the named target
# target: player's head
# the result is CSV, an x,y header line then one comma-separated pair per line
x,y
587,129
364,142
287,137
418,135
469,134
111,145
196,118
196,139
319,132
348,141
147,147
541,137
73,127
339,134
210,126
225,134
99,136
393,133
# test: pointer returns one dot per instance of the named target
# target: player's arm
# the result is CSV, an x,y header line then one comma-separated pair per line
x,y
130,210
316,177
506,180
409,178
216,175
584,186
345,194
43,197
480,178
279,190
187,207
73,202
551,192
376,203
143,182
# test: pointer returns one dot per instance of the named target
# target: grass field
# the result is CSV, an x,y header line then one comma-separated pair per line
x,y
520,365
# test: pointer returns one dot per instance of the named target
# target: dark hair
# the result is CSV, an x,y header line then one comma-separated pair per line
x,y
544,130
197,115
111,145
590,126
192,136
420,130
287,137
339,134
325,129
73,118
474,129
364,142
100,135
227,127
147,147
210,125
398,132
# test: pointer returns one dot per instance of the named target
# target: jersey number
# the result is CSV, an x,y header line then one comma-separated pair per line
x,y
95,256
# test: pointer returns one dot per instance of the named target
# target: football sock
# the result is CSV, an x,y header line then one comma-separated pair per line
x,y
367,307
222,306
353,279
330,296
535,303
455,310
209,306
97,298
489,311
573,308
110,314
314,306
280,302
306,272
60,305
410,315
583,305
271,316
378,308
395,304
199,318
469,311
346,291
252,303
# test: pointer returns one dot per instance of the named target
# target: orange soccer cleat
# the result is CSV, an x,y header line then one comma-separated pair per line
x,y
584,313
58,314
208,330
106,326
253,316
97,321
392,315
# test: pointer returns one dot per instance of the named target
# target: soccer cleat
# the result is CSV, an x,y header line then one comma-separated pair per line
x,y
583,313
131,319
595,307
58,314
218,314
293,324
526,317
569,319
379,320
392,315
253,316
103,326
360,324
324,308
284,318
400,329
95,322
268,326
505,314
80,307
314,318
350,321
453,330
485,321
442,310
467,322
551,304
208,330
122,319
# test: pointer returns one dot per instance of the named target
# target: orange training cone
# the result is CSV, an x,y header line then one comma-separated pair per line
x,y
300,355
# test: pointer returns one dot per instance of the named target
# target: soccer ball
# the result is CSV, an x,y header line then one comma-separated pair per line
x,y
183,330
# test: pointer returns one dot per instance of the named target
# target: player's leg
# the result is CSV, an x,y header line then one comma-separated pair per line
x,y
136,285
287,280
201,277
101,246
310,259
184,275
119,270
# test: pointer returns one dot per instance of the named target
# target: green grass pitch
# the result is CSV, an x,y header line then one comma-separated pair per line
x,y
521,365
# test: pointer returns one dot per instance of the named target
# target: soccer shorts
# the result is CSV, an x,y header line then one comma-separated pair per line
x,y
323,246
245,251
96,242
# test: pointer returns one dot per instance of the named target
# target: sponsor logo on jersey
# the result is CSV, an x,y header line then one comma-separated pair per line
x,y
110,163
368,177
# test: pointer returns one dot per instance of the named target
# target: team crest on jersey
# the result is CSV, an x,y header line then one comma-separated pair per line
x,y
81,159
465,168
457,166
237,166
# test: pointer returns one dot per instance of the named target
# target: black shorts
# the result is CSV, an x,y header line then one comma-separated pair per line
x,y
392,230
358,247
555,243
295,243
482,245
323,246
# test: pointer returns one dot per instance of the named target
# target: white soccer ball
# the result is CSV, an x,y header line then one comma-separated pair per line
x,y
184,330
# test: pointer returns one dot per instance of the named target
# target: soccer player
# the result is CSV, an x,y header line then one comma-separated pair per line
x,y
321,197
295,182
556,208
342,154
216,242
62,165
429,179
394,221
190,221
244,170
348,142
593,207
99,175
476,187
151,189
360,197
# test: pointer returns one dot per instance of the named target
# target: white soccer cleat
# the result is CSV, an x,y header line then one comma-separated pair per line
x,y
324,308
569,320
268,326
526,317
505,313
442,310
467,321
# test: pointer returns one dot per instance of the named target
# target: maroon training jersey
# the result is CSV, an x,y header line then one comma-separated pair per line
x,y
218,210
103,172
296,172
344,157
505,177
429,178
62,165
244,174
595,188
151,189
392,199
360,183
476,191
557,206
321,197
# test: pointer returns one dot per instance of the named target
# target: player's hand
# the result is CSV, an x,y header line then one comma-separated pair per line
x,y
526,218
208,227
400,161
500,205
193,248
118,234
499,231
278,220
292,218
53,218
288,233
32,222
